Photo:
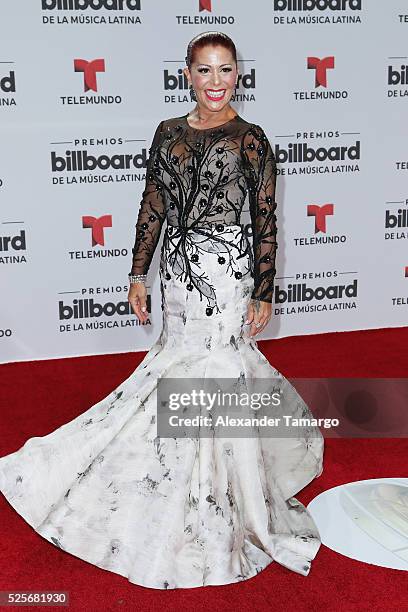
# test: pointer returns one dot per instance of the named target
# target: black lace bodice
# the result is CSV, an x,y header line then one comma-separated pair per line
x,y
198,177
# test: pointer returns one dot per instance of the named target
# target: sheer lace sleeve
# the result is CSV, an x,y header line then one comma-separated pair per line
x,y
151,213
261,173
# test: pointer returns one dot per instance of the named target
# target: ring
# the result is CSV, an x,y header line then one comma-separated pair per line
x,y
258,324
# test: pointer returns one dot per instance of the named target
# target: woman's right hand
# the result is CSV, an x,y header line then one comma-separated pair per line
x,y
137,298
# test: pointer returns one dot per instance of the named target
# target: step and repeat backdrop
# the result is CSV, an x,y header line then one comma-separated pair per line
x,y
83,86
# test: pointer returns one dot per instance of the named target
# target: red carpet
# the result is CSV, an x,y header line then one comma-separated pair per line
x,y
39,396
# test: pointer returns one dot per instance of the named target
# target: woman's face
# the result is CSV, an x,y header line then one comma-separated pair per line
x,y
213,76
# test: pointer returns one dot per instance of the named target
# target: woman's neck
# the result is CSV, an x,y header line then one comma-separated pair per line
x,y
202,117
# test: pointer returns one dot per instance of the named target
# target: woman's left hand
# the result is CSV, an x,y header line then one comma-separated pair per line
x,y
258,316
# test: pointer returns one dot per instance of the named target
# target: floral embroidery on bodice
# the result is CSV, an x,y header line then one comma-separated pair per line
x,y
199,179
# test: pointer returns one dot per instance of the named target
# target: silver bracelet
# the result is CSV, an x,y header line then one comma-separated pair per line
x,y
137,278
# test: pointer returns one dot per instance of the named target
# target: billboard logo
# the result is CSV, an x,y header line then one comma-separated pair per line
x,y
88,308
90,12
398,76
397,79
15,243
97,225
400,219
89,69
12,248
8,83
317,5
96,5
304,153
8,86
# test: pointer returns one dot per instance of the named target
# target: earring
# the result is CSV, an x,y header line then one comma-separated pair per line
x,y
193,94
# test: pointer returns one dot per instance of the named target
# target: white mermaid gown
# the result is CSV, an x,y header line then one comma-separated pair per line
x,y
172,513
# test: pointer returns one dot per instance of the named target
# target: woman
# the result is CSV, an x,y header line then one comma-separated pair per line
x,y
168,512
